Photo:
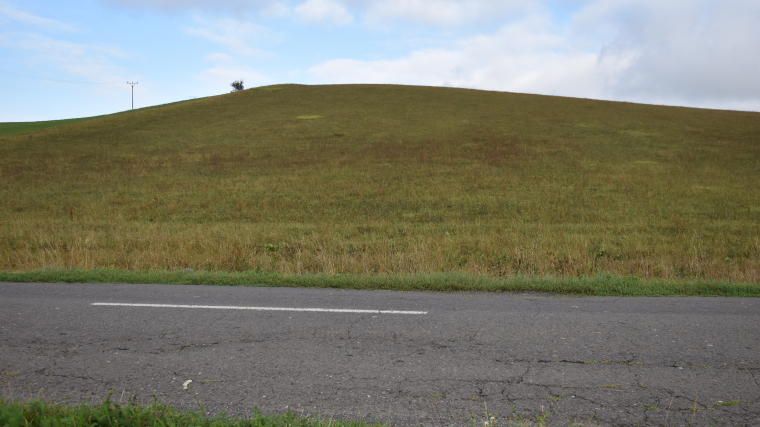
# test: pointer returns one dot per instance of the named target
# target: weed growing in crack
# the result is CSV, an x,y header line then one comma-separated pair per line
x,y
577,423
188,386
542,418
490,419
649,407
694,409
729,403
438,414
432,395
667,415
514,416
10,374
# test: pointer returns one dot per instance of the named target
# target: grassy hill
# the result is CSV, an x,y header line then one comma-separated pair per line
x,y
382,179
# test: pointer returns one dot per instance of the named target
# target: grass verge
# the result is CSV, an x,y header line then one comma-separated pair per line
x,y
44,414
601,285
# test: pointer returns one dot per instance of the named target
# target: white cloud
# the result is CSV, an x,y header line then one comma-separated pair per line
x,y
275,10
694,51
218,57
89,62
216,6
443,13
225,70
697,53
376,13
9,12
328,12
233,34
525,57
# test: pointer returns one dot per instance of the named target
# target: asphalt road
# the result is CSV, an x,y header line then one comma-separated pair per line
x,y
599,361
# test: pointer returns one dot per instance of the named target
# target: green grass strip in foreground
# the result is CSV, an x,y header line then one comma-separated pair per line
x,y
600,285
43,414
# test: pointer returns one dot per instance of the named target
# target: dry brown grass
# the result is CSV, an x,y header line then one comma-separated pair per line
x,y
390,179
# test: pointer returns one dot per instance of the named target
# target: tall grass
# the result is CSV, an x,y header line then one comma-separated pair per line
x,y
39,413
390,180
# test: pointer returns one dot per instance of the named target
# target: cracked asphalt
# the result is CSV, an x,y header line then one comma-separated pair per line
x,y
599,361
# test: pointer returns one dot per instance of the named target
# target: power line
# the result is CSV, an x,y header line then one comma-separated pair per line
x,y
52,80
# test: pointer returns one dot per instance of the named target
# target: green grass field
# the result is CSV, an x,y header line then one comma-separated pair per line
x,y
21,127
378,180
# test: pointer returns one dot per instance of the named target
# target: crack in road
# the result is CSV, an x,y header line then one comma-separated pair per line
x,y
186,346
628,363
755,377
351,325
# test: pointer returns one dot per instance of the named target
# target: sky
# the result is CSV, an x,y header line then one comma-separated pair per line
x,y
73,59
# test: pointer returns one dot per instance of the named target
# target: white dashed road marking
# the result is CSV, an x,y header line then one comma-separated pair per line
x,y
232,307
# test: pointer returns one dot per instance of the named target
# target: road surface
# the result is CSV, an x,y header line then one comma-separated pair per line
x,y
407,358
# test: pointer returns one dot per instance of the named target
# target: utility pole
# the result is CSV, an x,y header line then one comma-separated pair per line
x,y
133,93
